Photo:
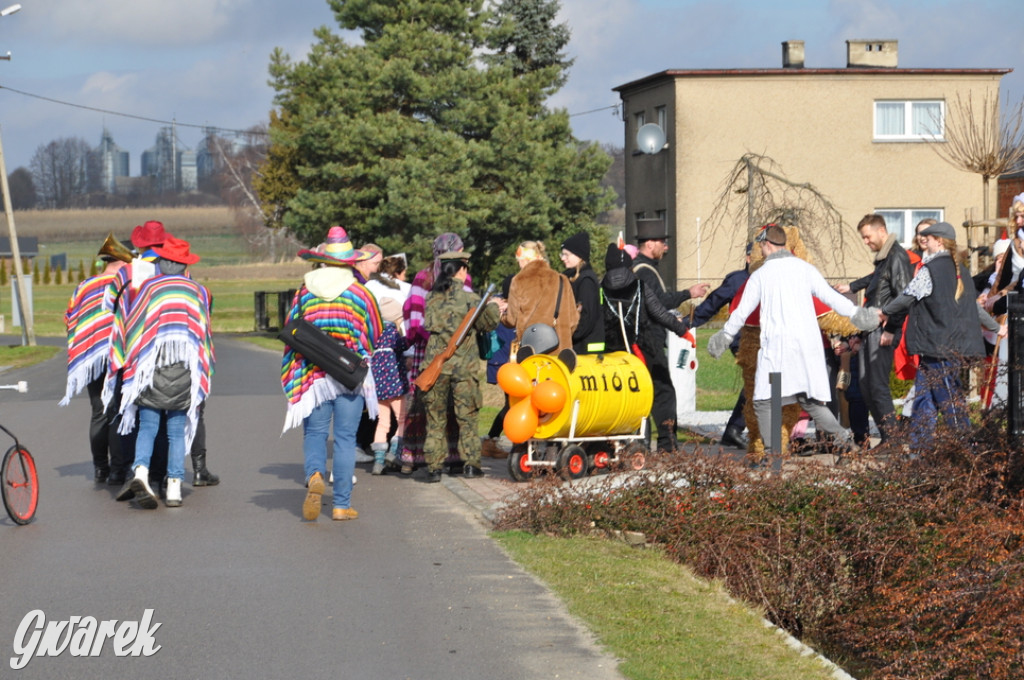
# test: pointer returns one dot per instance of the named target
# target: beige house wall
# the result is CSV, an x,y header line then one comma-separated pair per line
x,y
818,129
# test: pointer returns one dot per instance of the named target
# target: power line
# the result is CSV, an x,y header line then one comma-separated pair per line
x,y
195,125
130,115
603,108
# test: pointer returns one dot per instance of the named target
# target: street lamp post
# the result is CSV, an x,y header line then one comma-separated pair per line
x,y
28,335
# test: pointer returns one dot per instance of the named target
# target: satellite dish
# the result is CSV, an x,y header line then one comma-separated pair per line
x,y
650,138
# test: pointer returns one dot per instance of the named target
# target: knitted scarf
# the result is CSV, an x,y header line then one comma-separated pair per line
x,y
168,323
89,326
352,318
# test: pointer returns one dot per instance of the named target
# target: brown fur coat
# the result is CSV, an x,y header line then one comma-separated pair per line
x,y
531,299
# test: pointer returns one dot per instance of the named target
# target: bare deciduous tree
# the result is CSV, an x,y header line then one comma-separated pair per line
x,y
61,170
236,165
978,140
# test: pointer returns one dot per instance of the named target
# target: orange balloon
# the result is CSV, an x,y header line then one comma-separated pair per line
x,y
521,422
548,396
514,380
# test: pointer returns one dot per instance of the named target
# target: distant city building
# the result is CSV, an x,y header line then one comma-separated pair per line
x,y
112,163
174,171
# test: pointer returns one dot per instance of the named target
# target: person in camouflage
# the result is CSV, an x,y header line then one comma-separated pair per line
x,y
459,381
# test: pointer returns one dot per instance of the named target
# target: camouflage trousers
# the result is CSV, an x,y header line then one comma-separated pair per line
x,y
464,394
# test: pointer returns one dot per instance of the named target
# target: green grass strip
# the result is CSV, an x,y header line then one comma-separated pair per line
x,y
654,615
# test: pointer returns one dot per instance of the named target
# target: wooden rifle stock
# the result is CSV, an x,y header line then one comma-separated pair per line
x,y
428,376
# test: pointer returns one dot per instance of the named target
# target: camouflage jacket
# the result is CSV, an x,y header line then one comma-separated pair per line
x,y
441,319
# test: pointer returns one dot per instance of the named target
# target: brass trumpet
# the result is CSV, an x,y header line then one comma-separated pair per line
x,y
115,249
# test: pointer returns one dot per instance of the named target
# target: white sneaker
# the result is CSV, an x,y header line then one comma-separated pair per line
x,y
354,480
173,498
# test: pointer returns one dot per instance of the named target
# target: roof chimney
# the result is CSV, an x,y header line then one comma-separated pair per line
x,y
872,53
793,54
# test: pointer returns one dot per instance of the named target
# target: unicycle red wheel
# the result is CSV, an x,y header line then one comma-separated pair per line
x,y
19,484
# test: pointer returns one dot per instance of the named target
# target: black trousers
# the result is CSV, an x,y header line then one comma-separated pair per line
x,y
664,408
875,369
104,441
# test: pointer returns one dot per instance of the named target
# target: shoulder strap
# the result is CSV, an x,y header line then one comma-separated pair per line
x,y
656,273
558,300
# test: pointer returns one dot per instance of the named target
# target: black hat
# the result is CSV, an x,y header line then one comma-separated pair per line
x,y
616,258
578,245
651,230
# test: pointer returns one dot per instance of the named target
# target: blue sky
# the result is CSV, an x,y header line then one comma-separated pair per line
x,y
204,62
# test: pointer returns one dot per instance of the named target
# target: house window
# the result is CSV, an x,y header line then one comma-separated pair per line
x,y
903,221
640,119
662,115
904,121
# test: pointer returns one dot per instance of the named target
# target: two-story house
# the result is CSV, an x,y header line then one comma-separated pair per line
x,y
858,135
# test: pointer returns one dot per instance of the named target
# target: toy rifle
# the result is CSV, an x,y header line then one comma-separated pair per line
x,y
428,376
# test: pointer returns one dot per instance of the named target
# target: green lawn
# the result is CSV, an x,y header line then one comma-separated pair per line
x,y
654,615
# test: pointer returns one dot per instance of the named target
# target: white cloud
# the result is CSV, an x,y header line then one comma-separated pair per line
x,y
140,22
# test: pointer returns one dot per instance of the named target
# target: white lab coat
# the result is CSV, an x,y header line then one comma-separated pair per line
x,y
791,342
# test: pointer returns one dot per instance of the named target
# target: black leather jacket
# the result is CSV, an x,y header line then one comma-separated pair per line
x,y
891,275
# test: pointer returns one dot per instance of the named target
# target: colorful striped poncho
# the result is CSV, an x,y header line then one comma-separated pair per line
x,y
89,325
168,323
352,317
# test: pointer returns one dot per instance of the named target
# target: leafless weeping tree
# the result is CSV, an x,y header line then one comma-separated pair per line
x,y
977,140
757,192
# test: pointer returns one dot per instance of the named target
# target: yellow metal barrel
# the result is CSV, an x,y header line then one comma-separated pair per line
x,y
614,392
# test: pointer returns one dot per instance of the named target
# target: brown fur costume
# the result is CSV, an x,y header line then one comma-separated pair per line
x,y
750,344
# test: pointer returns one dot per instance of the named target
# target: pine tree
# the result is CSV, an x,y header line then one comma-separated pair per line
x,y
35,272
3,272
58,276
46,273
81,270
436,122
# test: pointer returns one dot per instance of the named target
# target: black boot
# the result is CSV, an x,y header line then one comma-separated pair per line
x,y
733,437
201,476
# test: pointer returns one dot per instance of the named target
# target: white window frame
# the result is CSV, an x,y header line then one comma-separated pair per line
x,y
911,217
908,121
661,113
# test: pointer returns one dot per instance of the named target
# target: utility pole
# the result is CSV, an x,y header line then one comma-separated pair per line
x,y
28,334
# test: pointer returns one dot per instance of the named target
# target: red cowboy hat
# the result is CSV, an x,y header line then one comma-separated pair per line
x,y
149,234
176,250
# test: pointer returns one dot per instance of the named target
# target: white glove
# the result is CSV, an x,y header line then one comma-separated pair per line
x,y
718,343
865,318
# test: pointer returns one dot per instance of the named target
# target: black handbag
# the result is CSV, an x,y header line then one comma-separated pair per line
x,y
335,358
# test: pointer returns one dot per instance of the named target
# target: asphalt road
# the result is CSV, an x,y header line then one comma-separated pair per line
x,y
240,586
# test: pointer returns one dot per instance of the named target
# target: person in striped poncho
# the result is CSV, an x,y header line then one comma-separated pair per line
x,y
164,348
88,326
336,303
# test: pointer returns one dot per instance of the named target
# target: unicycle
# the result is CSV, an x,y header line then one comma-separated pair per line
x,y
19,482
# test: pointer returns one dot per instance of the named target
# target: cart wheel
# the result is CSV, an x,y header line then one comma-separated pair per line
x,y
573,462
635,456
519,464
602,459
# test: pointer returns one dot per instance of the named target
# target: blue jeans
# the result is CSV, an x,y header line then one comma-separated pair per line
x,y
149,423
936,388
347,409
